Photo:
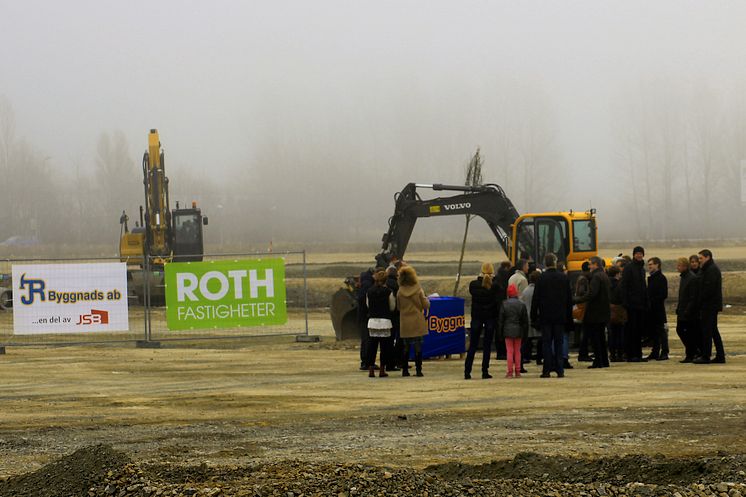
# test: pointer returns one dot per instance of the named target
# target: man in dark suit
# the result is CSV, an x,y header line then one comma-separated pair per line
x,y
687,317
657,321
551,307
635,300
710,304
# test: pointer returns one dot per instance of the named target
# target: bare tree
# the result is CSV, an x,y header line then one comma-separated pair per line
x,y
118,181
7,140
473,178
705,130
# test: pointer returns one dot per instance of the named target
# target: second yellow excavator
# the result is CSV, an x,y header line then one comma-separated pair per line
x,y
163,234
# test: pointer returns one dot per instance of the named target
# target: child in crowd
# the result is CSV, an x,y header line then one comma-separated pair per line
x,y
513,327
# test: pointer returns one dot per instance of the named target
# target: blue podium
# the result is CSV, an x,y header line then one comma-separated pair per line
x,y
446,331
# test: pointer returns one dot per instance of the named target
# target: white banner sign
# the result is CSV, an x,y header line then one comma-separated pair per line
x,y
69,298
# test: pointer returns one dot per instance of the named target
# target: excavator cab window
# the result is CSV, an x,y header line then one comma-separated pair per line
x,y
525,239
185,228
584,235
187,244
551,235
537,236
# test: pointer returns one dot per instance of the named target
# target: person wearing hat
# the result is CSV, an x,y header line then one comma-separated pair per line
x,y
513,327
485,294
634,293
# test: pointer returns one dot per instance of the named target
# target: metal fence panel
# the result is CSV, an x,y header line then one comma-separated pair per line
x,y
8,338
296,301
147,310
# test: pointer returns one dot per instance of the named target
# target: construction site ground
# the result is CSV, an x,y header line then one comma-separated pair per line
x,y
273,400
270,416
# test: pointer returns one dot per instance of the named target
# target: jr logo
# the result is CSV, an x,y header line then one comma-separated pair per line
x,y
34,287
95,317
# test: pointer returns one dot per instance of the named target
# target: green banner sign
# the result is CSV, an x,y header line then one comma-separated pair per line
x,y
225,294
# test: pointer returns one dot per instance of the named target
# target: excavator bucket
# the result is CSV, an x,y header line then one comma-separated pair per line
x,y
6,298
344,315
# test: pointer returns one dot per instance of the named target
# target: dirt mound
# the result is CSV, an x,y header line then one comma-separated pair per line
x,y
297,478
102,472
72,475
617,470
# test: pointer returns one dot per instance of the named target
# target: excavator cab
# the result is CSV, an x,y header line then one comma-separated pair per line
x,y
571,236
187,241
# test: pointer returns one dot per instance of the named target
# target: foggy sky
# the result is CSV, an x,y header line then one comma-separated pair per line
x,y
407,88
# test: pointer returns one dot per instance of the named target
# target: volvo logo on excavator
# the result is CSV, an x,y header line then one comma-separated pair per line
x,y
453,207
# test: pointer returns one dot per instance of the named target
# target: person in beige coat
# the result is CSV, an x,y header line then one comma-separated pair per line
x,y
412,304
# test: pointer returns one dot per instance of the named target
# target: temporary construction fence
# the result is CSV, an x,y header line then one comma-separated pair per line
x,y
101,300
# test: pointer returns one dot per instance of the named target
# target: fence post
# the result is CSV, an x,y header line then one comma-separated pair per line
x,y
4,308
305,290
146,297
147,342
306,337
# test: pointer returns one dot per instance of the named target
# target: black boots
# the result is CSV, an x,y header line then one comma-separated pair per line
x,y
417,363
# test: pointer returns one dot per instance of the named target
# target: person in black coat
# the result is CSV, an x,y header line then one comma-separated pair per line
x,y
597,312
551,308
485,294
397,346
710,304
365,282
581,288
504,272
381,304
657,321
618,316
687,318
634,293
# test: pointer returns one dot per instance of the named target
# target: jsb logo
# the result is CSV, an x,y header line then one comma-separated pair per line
x,y
445,325
95,317
453,207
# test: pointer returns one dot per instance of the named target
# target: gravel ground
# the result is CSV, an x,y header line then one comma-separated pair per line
x,y
102,471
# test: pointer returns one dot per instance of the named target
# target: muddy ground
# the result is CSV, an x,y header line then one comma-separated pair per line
x,y
272,413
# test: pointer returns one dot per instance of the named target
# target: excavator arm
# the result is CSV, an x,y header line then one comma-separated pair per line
x,y
486,201
157,214
571,236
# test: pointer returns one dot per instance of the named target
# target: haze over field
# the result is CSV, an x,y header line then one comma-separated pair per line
x,y
298,121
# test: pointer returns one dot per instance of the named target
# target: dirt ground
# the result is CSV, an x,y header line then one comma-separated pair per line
x,y
270,416
273,400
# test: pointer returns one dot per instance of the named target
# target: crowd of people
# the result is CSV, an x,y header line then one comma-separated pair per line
x,y
615,311
391,310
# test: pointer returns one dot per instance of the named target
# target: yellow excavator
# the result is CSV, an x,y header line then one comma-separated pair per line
x,y
162,235
571,236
